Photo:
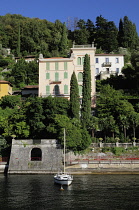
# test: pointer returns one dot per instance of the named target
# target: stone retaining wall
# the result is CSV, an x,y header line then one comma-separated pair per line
x,y
21,160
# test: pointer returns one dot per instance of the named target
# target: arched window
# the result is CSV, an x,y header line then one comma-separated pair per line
x,y
36,154
80,89
79,61
56,90
80,77
83,60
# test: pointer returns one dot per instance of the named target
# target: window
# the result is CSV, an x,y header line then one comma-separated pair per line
x,y
65,75
107,70
47,76
117,70
36,154
107,60
83,60
96,60
97,70
56,76
80,89
47,66
56,90
47,90
65,89
80,77
65,66
56,65
78,61
117,60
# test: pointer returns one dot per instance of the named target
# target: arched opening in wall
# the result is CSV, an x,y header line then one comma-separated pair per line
x,y
36,154
56,90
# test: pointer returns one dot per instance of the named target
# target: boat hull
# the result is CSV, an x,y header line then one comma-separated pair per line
x,y
63,179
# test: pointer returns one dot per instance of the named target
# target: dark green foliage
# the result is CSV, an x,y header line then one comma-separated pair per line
x,y
24,73
35,117
77,139
74,97
25,35
64,42
10,101
55,105
127,36
18,43
106,34
86,96
121,33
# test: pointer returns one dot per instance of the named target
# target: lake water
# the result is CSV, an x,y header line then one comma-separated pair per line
x,y
38,192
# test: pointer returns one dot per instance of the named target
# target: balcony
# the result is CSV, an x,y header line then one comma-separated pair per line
x,y
106,64
55,82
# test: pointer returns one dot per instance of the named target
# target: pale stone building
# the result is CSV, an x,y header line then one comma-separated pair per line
x,y
55,73
108,64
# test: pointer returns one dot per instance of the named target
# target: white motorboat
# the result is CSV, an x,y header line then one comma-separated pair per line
x,y
63,178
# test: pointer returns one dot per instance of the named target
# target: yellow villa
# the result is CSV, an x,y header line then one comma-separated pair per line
x,y
5,88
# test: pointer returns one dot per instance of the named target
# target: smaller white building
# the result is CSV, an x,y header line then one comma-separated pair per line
x,y
108,64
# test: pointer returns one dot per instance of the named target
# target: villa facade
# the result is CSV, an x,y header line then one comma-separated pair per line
x,y
55,73
108,64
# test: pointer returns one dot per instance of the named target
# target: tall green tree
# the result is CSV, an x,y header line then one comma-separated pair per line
x,y
64,42
106,34
86,96
81,35
121,33
18,42
74,97
130,37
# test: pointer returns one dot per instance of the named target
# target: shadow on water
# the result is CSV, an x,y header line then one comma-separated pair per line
x,y
86,192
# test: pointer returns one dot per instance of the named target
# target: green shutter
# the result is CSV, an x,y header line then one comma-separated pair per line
x,y
47,90
47,76
56,76
65,75
78,61
47,66
82,60
65,66
65,89
56,65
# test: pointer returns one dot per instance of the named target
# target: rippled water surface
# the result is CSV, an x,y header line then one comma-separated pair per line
x,y
37,192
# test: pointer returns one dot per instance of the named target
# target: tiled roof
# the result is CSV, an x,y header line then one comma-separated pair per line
x,y
5,82
30,87
104,54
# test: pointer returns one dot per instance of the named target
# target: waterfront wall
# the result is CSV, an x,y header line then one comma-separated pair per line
x,y
24,156
116,144
120,167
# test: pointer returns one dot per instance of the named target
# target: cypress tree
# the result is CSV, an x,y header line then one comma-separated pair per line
x,y
120,33
64,42
18,42
86,96
130,36
74,97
